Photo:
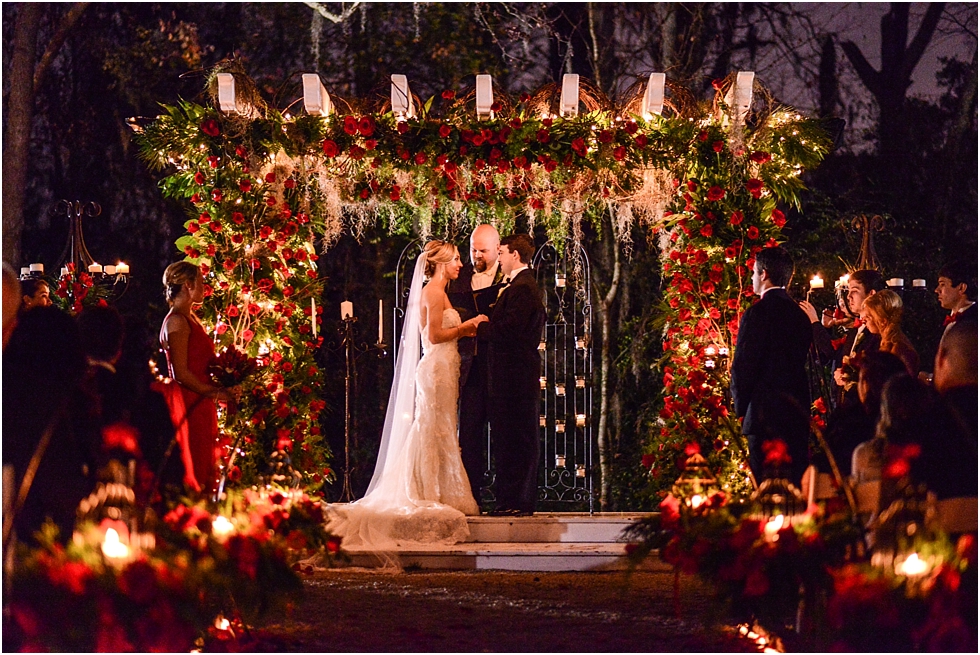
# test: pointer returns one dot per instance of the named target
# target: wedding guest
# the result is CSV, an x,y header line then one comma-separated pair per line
x,y
851,424
907,407
769,381
956,291
861,285
189,352
34,293
883,315
44,420
473,293
955,376
11,302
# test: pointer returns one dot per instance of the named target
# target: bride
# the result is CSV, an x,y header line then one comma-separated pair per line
x,y
420,493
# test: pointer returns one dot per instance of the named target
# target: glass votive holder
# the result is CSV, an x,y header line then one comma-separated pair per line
x,y
580,420
580,471
579,381
560,427
560,461
544,382
560,389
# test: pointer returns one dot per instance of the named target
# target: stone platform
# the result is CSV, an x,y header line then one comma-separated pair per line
x,y
542,542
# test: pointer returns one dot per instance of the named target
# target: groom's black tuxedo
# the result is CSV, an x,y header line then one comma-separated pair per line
x,y
473,406
769,382
511,338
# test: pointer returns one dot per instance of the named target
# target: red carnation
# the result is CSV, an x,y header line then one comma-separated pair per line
x,y
708,288
211,127
396,193
778,217
715,193
193,227
330,148
217,195
215,226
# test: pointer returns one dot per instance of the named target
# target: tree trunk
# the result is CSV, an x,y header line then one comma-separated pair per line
x,y
16,142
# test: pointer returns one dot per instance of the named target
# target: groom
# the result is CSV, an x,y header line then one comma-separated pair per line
x,y
511,338
474,292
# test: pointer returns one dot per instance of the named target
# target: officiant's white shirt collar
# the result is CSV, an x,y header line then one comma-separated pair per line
x,y
513,274
484,279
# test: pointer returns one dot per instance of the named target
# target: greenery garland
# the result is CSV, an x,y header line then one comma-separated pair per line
x,y
261,186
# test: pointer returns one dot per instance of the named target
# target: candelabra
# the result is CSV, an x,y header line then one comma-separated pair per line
x,y
352,350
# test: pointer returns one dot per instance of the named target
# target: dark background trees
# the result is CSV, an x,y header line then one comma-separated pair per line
x,y
73,74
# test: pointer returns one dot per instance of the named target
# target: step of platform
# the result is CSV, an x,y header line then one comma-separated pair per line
x,y
542,542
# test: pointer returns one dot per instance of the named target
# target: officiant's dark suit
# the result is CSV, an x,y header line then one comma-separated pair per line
x,y
769,382
511,338
473,403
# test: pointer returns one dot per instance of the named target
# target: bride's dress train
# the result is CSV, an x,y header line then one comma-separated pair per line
x,y
423,493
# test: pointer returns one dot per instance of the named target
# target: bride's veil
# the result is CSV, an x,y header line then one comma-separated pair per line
x,y
401,401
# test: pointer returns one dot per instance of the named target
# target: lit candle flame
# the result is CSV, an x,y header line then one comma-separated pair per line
x,y
221,526
696,501
112,547
774,525
913,566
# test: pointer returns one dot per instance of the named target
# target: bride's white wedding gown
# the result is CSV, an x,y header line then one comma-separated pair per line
x,y
423,495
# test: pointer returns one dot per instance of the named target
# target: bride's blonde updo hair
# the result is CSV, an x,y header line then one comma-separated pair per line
x,y
437,252
176,276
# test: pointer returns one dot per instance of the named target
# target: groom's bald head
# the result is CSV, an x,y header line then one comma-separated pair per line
x,y
484,245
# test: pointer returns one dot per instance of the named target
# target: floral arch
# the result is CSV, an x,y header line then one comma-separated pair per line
x,y
262,185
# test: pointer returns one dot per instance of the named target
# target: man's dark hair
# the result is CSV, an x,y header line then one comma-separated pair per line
x,y
521,244
101,332
876,367
870,279
959,273
30,286
777,262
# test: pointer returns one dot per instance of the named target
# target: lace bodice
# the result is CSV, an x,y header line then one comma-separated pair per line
x,y
450,319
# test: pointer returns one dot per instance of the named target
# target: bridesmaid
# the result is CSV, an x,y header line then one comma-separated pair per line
x,y
189,351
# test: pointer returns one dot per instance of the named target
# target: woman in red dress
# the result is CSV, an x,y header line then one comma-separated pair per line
x,y
189,351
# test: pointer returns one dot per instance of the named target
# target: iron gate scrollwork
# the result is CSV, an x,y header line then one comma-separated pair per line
x,y
566,420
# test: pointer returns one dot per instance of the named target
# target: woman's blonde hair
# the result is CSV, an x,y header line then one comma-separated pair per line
x,y
886,306
437,252
176,276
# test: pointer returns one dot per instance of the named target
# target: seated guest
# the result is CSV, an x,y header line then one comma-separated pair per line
x,y
43,403
861,285
955,376
854,423
11,302
883,313
34,293
956,291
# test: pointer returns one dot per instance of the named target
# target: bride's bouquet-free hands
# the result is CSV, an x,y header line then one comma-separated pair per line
x,y
468,328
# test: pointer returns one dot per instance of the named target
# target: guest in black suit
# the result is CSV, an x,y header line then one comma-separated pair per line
x,y
769,382
474,292
955,378
861,285
511,337
956,291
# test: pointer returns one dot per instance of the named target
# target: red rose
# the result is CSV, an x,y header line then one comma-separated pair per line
x,y
754,187
737,217
715,193
213,161
402,127
193,227
578,146
544,136
684,314
708,288
760,157
619,153
215,226
718,146
776,452
245,185
350,125
717,83
641,140
702,136
330,148
420,158
216,195
356,152
211,127
247,335
753,232
707,230
778,217
365,126
445,131
550,165
448,94
396,193
199,177
605,136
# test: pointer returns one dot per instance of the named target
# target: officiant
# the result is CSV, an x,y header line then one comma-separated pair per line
x,y
474,292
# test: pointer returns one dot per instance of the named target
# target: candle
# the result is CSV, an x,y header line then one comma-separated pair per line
x,y
64,271
580,382
580,344
25,271
112,547
710,351
122,268
723,351
109,269
221,527
542,345
544,382
559,389
709,363
346,310
95,268
580,471
381,321
543,420
913,566
816,282
560,461
313,315
560,281
580,420
773,526
918,282
895,282
696,501
37,268
560,427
